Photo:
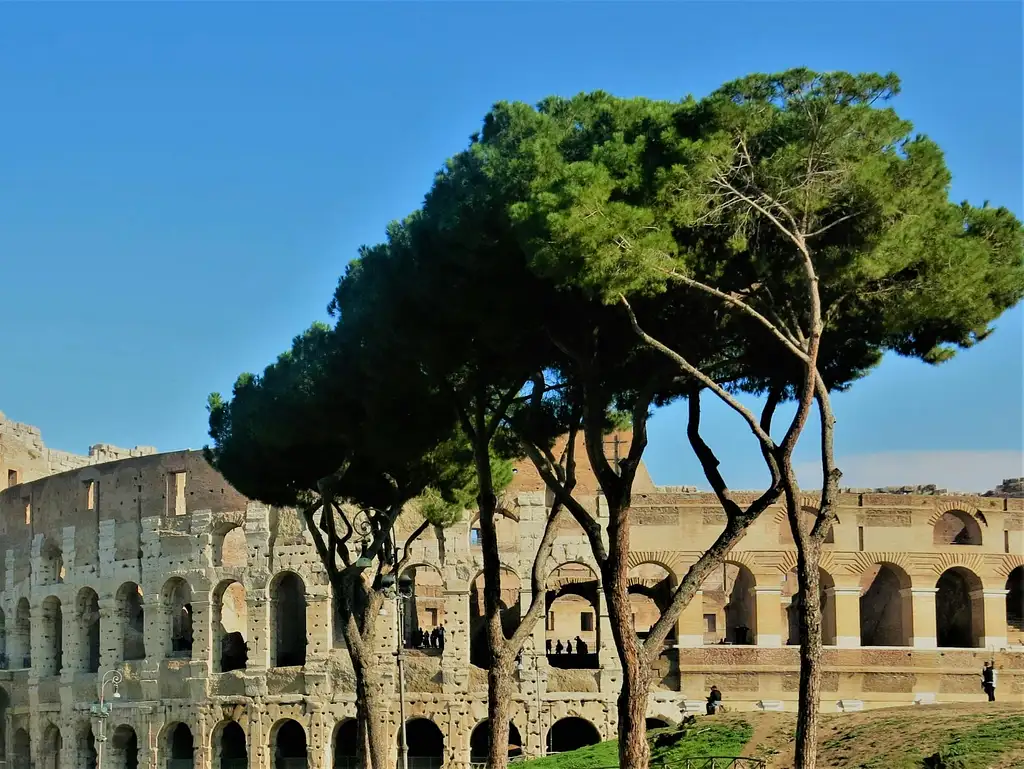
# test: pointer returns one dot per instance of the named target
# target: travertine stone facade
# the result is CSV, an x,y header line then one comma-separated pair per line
x,y
217,613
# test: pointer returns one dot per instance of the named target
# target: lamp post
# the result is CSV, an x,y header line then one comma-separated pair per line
x,y
399,591
102,709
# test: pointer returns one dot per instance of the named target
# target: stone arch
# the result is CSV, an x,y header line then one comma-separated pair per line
x,y
230,626
51,562
572,733
4,660
87,629
85,746
1015,606
959,609
572,602
132,618
51,636
511,613
791,607
955,527
178,745
5,703
288,745
20,643
230,749
651,586
124,748
176,601
424,609
230,546
50,748
345,744
21,750
480,742
730,606
288,620
886,611
426,743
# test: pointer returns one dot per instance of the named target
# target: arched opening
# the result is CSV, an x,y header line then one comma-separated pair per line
x,y
656,723
346,745
426,744
288,613
956,528
124,749
572,733
1015,607
290,746
132,618
480,742
571,637
886,617
88,626
651,586
51,637
791,607
511,614
3,641
231,747
52,745
423,615
21,638
51,563
729,601
85,747
959,609
21,750
180,747
4,704
230,547
177,605
230,626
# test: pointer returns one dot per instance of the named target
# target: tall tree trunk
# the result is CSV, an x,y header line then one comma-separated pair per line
x,y
500,691
808,577
372,706
634,752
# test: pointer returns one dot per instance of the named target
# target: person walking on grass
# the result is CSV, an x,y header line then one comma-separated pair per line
x,y
988,680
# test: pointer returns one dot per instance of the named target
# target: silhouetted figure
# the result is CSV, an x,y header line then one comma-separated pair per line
x,y
581,646
440,638
433,638
558,648
988,680
568,647
714,701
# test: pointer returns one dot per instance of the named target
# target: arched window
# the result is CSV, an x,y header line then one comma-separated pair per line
x,y
4,660
52,637
886,615
791,607
651,587
289,745
423,615
230,547
21,750
132,619
230,626
572,635
956,528
288,614
959,609
728,599
511,614
426,744
4,704
572,733
180,747
229,743
51,748
85,746
21,638
124,748
346,744
1015,607
87,623
177,605
51,563
480,742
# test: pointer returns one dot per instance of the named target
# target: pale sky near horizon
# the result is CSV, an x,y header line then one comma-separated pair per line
x,y
182,185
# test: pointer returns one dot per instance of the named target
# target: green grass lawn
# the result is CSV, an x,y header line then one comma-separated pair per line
x,y
708,737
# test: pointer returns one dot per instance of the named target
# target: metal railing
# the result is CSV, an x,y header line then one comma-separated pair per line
x,y
718,762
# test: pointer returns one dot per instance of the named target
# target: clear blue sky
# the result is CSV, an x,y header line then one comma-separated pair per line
x,y
181,185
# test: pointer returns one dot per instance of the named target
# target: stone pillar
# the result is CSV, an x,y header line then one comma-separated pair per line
x,y
990,627
318,745
610,676
258,610
455,657
690,625
202,612
919,616
768,608
318,624
847,604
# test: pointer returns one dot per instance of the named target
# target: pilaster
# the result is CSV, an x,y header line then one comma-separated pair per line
x,y
847,611
992,621
690,624
768,610
919,616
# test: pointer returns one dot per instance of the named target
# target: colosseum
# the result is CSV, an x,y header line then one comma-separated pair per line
x,y
151,616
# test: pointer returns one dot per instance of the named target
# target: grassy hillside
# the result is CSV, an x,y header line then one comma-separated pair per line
x,y
981,736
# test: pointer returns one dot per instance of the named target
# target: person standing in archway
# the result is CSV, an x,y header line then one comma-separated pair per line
x,y
988,680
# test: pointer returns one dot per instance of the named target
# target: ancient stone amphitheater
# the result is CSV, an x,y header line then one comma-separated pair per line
x,y
211,618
